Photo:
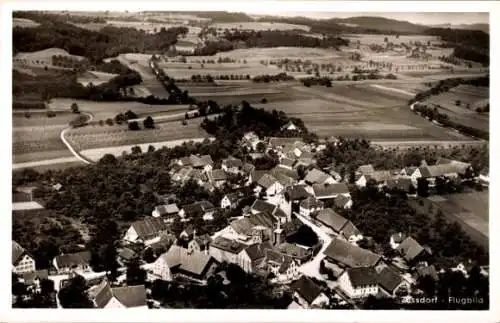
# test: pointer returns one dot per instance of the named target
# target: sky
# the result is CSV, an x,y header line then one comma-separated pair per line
x,y
424,18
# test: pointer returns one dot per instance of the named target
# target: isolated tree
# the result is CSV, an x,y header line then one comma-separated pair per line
x,y
135,274
136,150
422,187
74,108
149,123
130,115
133,126
109,121
151,148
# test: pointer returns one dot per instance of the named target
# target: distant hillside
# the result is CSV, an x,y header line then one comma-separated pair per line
x,y
381,24
481,27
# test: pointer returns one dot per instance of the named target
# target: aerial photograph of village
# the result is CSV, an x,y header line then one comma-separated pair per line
x,y
233,160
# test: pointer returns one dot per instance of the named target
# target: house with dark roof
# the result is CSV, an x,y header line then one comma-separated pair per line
x,y
199,243
255,176
310,205
126,256
270,185
425,270
290,126
165,211
340,255
232,165
296,193
343,202
284,267
229,201
339,225
183,262
33,279
298,253
257,254
330,191
146,231
70,262
412,252
251,229
203,209
307,294
287,163
217,177
316,176
401,184
22,261
261,206
204,163
362,282
230,251
120,297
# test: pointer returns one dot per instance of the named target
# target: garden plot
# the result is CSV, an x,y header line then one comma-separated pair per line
x,y
259,26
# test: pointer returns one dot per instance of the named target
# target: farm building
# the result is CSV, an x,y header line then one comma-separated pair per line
x,y
22,261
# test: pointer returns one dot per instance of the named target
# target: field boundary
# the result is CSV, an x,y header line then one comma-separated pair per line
x,y
73,151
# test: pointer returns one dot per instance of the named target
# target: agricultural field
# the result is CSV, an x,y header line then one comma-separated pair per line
x,y
104,110
359,110
186,70
38,137
24,23
460,103
367,39
96,136
94,77
42,57
259,26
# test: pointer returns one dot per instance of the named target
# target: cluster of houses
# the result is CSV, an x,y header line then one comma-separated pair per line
x,y
256,241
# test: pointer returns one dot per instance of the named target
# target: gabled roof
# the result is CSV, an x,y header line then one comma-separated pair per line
x,y
402,184
410,170
292,173
287,162
248,168
257,174
341,200
129,296
350,230
232,162
310,203
186,161
292,250
227,245
362,276
258,251
267,181
331,219
127,254
423,271
297,192
315,176
350,255
284,180
380,176
288,124
389,279
437,170
322,190
201,161
366,169
197,208
410,248
29,277
282,141
306,288
193,263
263,206
460,166
245,225
17,252
203,240
398,237
73,259
167,209
149,226
232,197
216,175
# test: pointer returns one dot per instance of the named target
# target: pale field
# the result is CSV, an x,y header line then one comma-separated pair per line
x,y
104,110
97,153
94,77
44,55
260,26
24,23
367,39
182,71
106,136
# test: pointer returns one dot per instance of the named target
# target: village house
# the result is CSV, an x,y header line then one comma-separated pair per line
x,y
78,261
232,165
340,255
296,194
120,297
330,191
33,279
284,267
424,270
307,294
362,282
379,177
217,177
251,140
203,209
204,163
337,224
126,256
343,202
255,176
287,163
260,206
365,169
233,252
255,228
278,143
229,201
22,261
165,211
396,239
199,244
189,173
290,126
269,185
310,205
257,255
412,252
146,231
298,253
461,167
284,175
315,176
179,261
401,184
247,168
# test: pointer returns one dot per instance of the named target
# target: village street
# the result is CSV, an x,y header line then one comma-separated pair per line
x,y
311,268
